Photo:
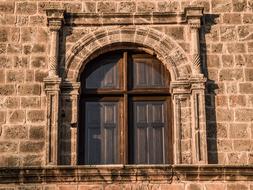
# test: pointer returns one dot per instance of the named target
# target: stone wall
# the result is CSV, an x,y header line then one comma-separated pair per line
x,y
227,57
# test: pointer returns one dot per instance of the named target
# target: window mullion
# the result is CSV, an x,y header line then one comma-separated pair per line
x,y
124,134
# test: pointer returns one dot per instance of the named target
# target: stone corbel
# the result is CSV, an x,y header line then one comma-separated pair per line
x,y
194,15
52,86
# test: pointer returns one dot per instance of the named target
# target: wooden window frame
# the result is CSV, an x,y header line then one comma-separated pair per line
x,y
125,95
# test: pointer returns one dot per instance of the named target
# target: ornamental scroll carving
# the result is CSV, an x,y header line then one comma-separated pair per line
x,y
187,86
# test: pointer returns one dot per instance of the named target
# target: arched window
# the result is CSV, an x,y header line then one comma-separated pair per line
x,y
125,110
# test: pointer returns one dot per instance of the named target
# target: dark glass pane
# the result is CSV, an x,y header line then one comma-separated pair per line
x,y
148,73
101,132
149,135
105,74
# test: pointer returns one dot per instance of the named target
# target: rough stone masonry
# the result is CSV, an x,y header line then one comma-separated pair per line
x,y
226,54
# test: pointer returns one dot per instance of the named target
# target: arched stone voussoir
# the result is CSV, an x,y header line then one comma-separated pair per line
x,y
101,41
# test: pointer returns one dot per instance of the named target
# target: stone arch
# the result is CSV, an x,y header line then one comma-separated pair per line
x,y
152,41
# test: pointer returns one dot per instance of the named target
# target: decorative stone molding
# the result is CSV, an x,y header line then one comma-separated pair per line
x,y
187,86
52,83
126,173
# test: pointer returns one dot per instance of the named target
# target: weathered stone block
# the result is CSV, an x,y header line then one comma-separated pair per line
x,y
42,6
231,88
194,187
9,161
30,102
232,18
231,75
127,7
244,115
7,89
37,20
246,88
14,48
31,146
247,18
228,33
72,7
3,48
28,34
20,62
38,48
250,46
40,75
38,62
7,7
227,60
239,5
16,116
15,132
237,186
28,8
221,101
221,6
215,186
4,34
213,61
67,187
8,147
239,130
245,32
242,145
2,117
35,116
219,130
12,102
29,89
178,33
172,187
15,76
236,48
29,75
37,133
237,100
106,7
2,76
89,7
249,74
32,160
217,48
144,6
168,6
224,145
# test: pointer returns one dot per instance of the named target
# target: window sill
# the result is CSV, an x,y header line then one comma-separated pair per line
x,y
125,173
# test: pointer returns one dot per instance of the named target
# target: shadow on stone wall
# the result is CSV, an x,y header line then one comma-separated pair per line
x,y
211,87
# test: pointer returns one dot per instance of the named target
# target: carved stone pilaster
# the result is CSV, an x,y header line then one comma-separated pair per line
x,y
52,89
189,121
199,140
70,93
194,15
55,18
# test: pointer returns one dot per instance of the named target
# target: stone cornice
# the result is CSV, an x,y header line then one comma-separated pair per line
x,y
102,19
126,173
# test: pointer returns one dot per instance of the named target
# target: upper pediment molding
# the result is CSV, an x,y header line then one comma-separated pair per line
x,y
104,19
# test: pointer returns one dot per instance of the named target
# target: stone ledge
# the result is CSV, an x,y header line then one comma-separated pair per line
x,y
147,18
125,173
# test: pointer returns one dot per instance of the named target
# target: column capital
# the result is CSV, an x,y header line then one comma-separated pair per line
x,y
193,15
55,18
